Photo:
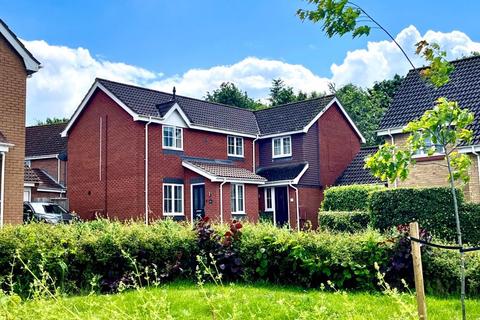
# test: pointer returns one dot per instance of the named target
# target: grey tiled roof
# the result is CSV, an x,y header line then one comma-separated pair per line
x,y
29,175
292,116
355,173
225,170
144,102
2,138
45,140
415,96
281,172
46,181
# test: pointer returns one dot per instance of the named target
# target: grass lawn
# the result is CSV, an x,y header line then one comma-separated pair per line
x,y
187,301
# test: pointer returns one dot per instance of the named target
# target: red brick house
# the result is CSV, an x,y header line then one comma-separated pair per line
x,y
16,64
46,155
144,154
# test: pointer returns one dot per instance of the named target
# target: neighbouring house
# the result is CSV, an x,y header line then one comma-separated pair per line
x,y
16,65
137,153
413,98
46,155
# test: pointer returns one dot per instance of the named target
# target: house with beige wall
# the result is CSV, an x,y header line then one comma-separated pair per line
x,y
410,102
16,65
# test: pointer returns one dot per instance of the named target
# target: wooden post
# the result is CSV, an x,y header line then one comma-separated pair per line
x,y
418,272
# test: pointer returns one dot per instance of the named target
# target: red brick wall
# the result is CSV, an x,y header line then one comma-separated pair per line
x,y
111,185
338,145
310,199
12,124
120,191
51,167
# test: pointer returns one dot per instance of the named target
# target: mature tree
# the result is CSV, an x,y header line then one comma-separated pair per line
x,y
445,125
280,93
52,120
230,94
367,107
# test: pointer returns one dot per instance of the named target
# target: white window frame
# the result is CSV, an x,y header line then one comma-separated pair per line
x,y
423,152
237,186
282,153
172,200
174,147
235,145
272,195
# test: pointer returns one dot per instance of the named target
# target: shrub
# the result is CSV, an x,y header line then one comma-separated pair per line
x,y
348,198
342,221
470,222
431,207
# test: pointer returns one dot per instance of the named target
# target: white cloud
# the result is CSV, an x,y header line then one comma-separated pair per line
x,y
383,59
67,73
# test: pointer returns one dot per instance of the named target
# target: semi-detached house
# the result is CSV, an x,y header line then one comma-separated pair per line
x,y
137,153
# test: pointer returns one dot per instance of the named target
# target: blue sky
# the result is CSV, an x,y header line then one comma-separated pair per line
x,y
167,39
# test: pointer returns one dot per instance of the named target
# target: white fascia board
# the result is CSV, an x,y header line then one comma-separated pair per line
x,y
280,134
30,64
297,179
387,132
469,149
344,112
214,178
51,190
278,183
28,184
47,156
85,101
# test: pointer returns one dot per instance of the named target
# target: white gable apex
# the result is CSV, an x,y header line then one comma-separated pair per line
x,y
174,118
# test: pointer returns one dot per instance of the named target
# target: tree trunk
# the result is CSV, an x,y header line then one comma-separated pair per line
x,y
459,236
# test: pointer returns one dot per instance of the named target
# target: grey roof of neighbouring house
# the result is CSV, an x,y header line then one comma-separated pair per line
x,y
292,116
281,172
144,101
355,173
45,140
46,181
415,96
225,170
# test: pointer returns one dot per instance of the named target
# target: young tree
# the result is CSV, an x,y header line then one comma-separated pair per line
x,y
446,125
229,94
280,93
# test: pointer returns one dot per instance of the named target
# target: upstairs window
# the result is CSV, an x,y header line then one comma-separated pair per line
x,y
172,199
428,144
172,138
282,147
235,146
237,198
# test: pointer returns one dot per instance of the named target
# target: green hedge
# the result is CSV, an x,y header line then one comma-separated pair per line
x,y
343,221
431,207
470,222
348,198
100,254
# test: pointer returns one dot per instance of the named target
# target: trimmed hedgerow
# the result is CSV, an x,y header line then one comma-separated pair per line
x,y
470,222
348,198
431,207
343,221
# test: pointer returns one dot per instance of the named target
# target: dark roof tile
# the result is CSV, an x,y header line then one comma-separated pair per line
x,y
281,172
45,140
415,96
355,173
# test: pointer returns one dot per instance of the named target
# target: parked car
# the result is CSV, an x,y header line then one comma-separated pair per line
x,y
46,212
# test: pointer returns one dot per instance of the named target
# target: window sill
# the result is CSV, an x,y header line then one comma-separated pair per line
x,y
235,156
424,157
282,156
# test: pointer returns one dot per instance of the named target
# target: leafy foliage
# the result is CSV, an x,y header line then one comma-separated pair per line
x,y
53,120
344,221
367,107
348,198
338,17
280,93
229,94
439,69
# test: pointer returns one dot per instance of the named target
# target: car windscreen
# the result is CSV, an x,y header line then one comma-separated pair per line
x,y
48,208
